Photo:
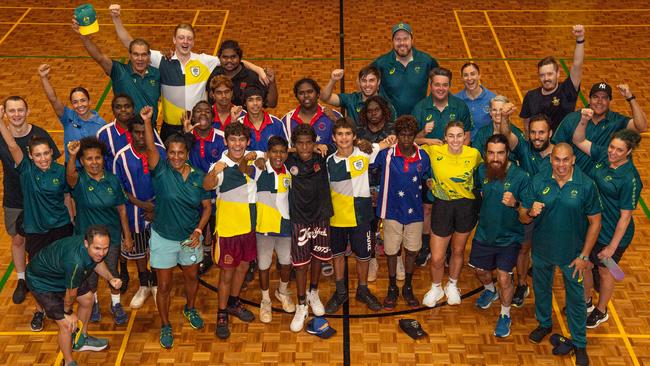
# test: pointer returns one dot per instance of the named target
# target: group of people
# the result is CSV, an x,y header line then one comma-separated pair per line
x,y
425,171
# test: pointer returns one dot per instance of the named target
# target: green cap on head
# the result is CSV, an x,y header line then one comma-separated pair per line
x,y
86,16
402,26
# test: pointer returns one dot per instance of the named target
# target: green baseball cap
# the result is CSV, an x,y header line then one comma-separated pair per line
x,y
86,16
402,26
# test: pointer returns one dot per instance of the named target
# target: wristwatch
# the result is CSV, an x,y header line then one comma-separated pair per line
x,y
517,204
583,257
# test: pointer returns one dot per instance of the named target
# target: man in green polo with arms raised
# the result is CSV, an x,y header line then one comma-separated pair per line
x,y
565,206
404,71
57,277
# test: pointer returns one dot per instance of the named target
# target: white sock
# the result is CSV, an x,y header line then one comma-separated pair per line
x,y
20,275
115,299
490,287
95,296
436,284
453,281
505,310
283,287
265,295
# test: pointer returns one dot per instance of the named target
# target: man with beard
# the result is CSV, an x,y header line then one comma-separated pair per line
x,y
499,232
552,98
369,81
604,121
565,206
230,55
404,70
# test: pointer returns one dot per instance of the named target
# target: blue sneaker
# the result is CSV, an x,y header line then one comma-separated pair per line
x,y
166,337
95,315
119,315
192,315
503,326
487,298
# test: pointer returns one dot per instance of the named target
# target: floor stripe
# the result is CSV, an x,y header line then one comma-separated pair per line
x,y
111,24
50,333
6,275
496,39
123,9
223,28
560,26
626,340
196,16
125,340
550,10
462,34
558,313
15,25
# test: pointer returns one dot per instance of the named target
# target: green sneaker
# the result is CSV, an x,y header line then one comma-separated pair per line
x,y
166,337
192,315
89,343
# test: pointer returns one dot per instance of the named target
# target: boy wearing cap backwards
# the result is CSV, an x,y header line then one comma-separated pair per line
x,y
350,190
404,70
262,124
603,123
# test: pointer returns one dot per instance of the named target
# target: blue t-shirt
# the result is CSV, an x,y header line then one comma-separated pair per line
x,y
75,128
479,108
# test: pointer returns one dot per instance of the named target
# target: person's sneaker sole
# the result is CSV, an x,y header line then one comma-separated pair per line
x,y
599,321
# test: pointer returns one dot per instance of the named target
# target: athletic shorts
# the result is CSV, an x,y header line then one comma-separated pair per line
x,y
140,244
11,216
266,244
488,257
236,249
165,253
52,302
309,240
448,217
593,256
359,238
111,259
35,242
396,234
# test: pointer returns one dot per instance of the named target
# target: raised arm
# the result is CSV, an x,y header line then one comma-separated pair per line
x,y
14,149
122,33
151,150
258,70
57,105
211,179
71,174
580,133
505,128
578,55
326,94
93,50
272,93
639,121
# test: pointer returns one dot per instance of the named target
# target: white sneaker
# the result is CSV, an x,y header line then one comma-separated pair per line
x,y
154,291
298,322
266,314
453,294
285,299
314,302
140,297
373,266
433,295
400,273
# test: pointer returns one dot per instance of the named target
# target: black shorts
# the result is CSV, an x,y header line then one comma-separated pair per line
x,y
52,302
448,217
140,244
359,237
489,257
427,196
309,240
35,242
593,256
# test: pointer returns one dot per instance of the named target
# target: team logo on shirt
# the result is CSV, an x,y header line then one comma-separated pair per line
x,y
293,170
506,186
608,178
56,181
599,165
429,117
417,69
215,153
358,165
109,190
546,190
227,259
321,126
555,101
91,188
152,82
243,85
486,181
316,167
286,182
574,193
391,71
439,158
452,116
195,70
418,167
358,109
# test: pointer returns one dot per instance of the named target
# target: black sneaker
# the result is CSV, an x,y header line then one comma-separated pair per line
x,y
521,292
423,255
539,333
589,304
407,294
581,357
366,297
390,301
241,312
335,302
596,317
20,292
124,276
37,321
206,263
223,332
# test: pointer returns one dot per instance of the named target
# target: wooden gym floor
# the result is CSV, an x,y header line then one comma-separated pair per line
x,y
301,38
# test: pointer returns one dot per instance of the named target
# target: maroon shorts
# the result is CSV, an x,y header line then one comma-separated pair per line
x,y
237,249
309,240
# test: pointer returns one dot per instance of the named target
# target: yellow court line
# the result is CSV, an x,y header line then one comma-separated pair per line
x,y
548,10
125,340
559,26
48,333
558,313
58,359
196,16
462,35
503,55
111,24
15,25
223,27
626,340
136,9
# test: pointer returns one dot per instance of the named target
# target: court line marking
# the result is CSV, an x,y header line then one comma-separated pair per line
x,y
15,25
547,10
496,39
462,34
106,10
49,333
559,26
111,24
6,275
621,329
558,313
223,28
125,339
196,16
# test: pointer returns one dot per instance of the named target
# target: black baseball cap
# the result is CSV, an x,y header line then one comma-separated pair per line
x,y
602,86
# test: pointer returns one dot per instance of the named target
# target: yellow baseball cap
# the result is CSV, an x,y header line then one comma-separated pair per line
x,y
86,16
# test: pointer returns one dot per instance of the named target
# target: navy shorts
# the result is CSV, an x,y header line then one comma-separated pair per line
x,y
489,257
359,237
593,256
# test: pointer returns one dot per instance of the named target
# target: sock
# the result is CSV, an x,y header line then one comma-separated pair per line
x,y
283,287
153,279
313,287
302,300
453,281
392,280
95,296
232,300
489,287
439,284
115,299
426,238
362,287
407,279
340,287
20,275
144,278
505,310
265,295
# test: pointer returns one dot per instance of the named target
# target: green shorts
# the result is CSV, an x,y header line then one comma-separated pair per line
x,y
165,253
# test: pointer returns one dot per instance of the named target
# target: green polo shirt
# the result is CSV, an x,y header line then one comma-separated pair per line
x,y
619,189
353,103
425,111
499,224
560,229
96,203
43,197
405,85
479,141
62,265
531,160
599,134
144,90
178,202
